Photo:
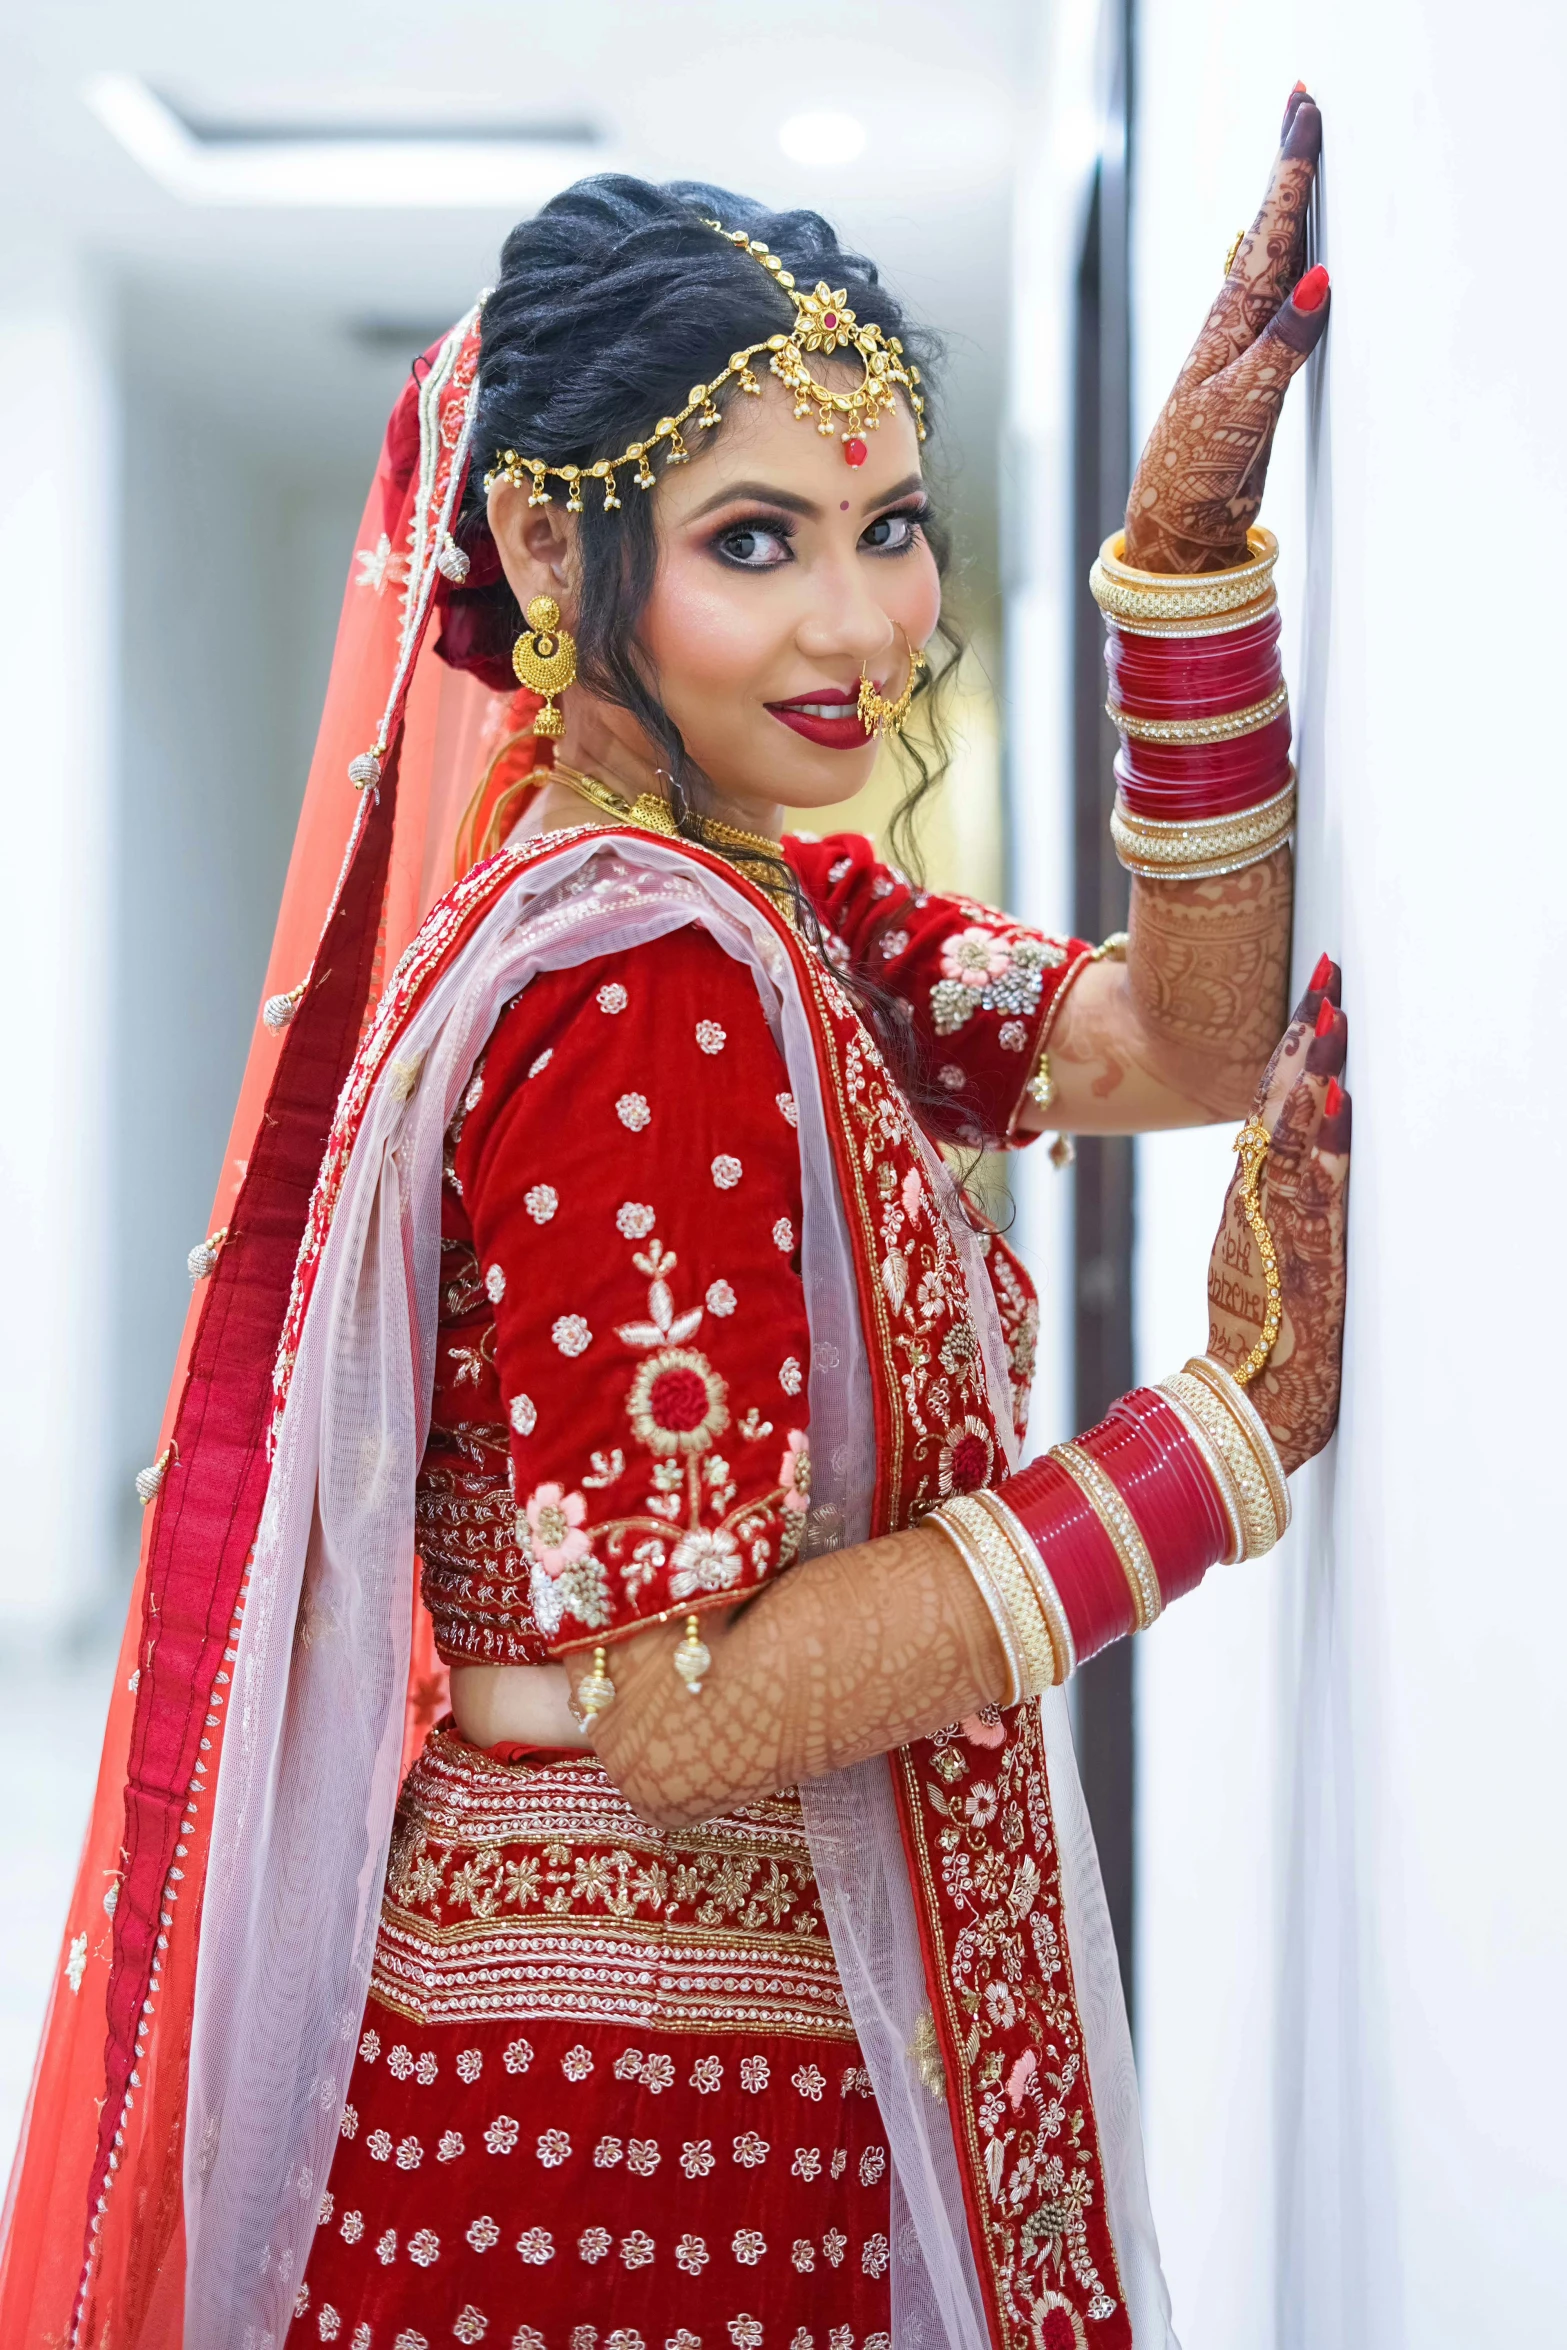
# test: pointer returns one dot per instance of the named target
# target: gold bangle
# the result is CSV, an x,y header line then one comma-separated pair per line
x,y
1057,1622
1258,1507
1124,592
1210,624
1109,1507
1007,1590
1254,1427
1226,726
1199,851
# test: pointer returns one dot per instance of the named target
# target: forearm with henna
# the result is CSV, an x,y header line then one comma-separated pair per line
x,y
845,1656
1207,966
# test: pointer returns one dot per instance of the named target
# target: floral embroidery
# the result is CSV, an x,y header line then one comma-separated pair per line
x,y
984,972
807,2163
746,2332
325,2213
872,2163
720,1298
810,2080
875,2255
607,2153
697,2157
633,1220
755,2073
370,2047
636,2250
351,2226
536,2245
502,2135
643,2157
571,1334
804,2256
541,1202
350,2121
750,2150
577,2063
409,2154
894,943
707,2074
518,2056
835,2244
470,2325
450,2147
790,1107
566,1576
494,1284
484,2234
1012,1036
554,2147
400,2063
835,2168
783,1234
727,1171
633,1112
612,997
328,2322
952,1077
790,1377
692,2255
593,2243
710,1036
379,2146
522,1414
386,2248
749,2246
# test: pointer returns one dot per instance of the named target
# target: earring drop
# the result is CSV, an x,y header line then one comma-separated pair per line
x,y
544,659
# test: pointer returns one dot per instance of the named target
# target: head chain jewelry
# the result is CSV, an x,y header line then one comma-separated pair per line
x,y
823,322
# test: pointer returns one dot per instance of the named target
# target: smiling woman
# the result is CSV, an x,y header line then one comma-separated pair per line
x,y
747,1874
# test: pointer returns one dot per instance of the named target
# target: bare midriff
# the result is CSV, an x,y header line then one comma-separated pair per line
x,y
525,1705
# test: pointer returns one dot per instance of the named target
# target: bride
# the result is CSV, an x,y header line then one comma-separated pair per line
x,y
588,1853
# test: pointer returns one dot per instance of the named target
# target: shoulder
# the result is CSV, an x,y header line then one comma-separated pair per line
x,y
667,1035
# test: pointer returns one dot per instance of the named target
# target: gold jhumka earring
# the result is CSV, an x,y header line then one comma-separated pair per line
x,y
879,716
545,661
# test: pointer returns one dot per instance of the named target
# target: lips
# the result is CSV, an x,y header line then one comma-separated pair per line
x,y
829,717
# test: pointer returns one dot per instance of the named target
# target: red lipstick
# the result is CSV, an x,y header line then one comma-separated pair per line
x,y
828,716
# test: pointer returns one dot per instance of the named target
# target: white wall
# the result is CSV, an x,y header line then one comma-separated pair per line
x,y
1354,1916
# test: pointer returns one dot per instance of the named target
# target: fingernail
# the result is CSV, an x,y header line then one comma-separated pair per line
x,y
1319,977
1302,135
1333,1134
1312,290
1326,1053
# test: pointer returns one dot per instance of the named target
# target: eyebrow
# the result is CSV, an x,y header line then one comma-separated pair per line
x,y
765,494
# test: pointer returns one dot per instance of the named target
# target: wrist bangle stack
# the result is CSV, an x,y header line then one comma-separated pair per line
x,y
1093,1541
1204,784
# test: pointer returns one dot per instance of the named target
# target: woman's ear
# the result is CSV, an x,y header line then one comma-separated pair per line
x,y
536,544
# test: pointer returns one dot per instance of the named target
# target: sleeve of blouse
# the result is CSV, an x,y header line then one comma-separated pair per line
x,y
983,990
629,1162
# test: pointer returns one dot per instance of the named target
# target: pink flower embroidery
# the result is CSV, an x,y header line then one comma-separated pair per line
x,y
555,1526
974,957
1020,2076
794,1473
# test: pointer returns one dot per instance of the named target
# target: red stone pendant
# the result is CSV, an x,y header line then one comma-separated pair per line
x,y
855,452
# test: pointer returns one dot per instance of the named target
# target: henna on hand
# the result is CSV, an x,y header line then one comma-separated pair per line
x,y
1199,483
1304,1197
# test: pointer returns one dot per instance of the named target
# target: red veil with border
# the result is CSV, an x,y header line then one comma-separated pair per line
x,y
1038,2092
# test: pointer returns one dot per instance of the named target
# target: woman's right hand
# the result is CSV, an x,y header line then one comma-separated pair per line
x,y
1304,1198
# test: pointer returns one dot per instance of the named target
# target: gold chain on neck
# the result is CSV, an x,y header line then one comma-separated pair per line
x,y
652,814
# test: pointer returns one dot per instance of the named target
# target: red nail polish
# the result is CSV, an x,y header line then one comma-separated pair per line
x,y
1298,90
1312,291
1325,1018
1335,1101
1323,972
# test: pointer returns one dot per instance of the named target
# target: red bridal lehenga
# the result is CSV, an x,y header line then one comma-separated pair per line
x,y
585,1267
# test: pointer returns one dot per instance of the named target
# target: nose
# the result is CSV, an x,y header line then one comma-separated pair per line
x,y
844,625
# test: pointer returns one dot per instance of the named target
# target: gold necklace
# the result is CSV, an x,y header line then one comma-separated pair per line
x,y
652,814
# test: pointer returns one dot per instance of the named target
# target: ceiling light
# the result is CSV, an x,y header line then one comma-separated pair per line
x,y
822,141
352,167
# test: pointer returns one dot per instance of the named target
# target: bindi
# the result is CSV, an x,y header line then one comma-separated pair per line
x,y
843,505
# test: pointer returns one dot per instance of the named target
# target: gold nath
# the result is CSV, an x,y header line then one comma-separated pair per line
x,y
823,322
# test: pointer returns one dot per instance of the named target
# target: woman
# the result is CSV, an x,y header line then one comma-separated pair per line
x,y
628,1288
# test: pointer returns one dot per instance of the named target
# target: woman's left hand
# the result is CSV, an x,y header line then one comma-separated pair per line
x,y
1200,481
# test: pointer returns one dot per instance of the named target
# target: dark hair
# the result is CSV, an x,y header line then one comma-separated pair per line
x,y
612,301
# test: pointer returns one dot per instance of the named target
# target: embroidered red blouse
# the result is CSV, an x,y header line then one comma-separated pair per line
x,y
620,1420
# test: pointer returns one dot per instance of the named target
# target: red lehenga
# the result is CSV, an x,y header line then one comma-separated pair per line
x,y
623,1278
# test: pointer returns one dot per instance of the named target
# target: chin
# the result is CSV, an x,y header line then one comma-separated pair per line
x,y
826,780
